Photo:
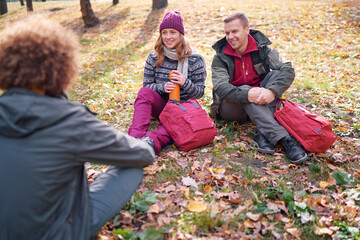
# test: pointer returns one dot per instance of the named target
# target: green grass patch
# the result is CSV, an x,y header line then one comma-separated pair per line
x,y
318,171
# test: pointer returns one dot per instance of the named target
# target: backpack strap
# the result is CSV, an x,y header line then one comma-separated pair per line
x,y
260,68
183,101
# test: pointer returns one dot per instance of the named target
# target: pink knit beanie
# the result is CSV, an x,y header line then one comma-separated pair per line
x,y
173,20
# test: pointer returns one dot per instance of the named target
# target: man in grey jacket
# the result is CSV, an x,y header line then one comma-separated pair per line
x,y
248,77
46,139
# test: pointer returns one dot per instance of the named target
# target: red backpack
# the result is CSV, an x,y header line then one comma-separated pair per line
x,y
188,124
312,131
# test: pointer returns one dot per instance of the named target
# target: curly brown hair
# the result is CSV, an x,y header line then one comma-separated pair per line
x,y
37,53
183,50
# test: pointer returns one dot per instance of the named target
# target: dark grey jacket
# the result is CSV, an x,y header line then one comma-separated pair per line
x,y
223,68
44,143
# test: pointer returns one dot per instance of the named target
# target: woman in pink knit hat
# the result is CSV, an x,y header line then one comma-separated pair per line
x,y
172,53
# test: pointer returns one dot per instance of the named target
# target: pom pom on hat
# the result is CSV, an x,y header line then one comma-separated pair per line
x,y
173,20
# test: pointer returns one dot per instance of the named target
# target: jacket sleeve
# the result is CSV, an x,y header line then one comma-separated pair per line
x,y
222,83
286,74
100,143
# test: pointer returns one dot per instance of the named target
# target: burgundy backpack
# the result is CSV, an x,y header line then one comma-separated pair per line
x,y
312,131
188,124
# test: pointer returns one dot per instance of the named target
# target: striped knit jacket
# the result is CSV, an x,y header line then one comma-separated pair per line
x,y
155,78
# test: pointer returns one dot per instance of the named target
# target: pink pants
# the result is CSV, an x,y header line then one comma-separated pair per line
x,y
149,104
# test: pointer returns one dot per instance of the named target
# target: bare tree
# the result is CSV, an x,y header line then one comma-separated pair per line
x,y
88,16
29,5
22,2
115,2
158,4
3,7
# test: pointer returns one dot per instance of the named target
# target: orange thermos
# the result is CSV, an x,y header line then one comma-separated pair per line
x,y
175,94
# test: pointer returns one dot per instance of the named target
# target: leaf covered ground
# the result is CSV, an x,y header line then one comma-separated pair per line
x,y
227,190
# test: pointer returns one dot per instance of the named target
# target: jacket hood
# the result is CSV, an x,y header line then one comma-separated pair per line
x,y
260,38
22,112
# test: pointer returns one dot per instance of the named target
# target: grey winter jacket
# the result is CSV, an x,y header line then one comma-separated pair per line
x,y
223,68
44,143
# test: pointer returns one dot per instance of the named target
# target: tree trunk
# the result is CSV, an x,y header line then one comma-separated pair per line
x,y
88,16
22,2
158,4
3,7
115,2
29,5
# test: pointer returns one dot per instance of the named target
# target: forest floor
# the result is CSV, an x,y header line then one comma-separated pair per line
x,y
227,190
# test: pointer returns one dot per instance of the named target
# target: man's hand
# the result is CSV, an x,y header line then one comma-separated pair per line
x,y
253,94
266,96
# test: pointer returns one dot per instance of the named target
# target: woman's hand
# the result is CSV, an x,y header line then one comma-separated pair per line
x,y
168,87
177,77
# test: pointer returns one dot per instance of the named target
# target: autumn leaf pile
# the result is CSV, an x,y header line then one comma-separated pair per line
x,y
227,190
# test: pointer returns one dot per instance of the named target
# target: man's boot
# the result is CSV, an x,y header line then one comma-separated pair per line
x,y
263,145
293,151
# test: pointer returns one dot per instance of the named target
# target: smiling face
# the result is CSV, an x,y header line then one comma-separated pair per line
x,y
170,37
237,35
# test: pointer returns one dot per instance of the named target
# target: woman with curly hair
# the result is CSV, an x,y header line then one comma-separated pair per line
x,y
46,139
172,54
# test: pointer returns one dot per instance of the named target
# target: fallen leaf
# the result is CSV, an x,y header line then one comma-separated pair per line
x,y
154,208
324,184
188,181
295,232
285,219
322,230
183,163
214,209
169,200
219,170
153,168
249,224
125,217
187,193
170,188
195,165
306,217
254,217
276,234
163,219
332,167
208,188
195,206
